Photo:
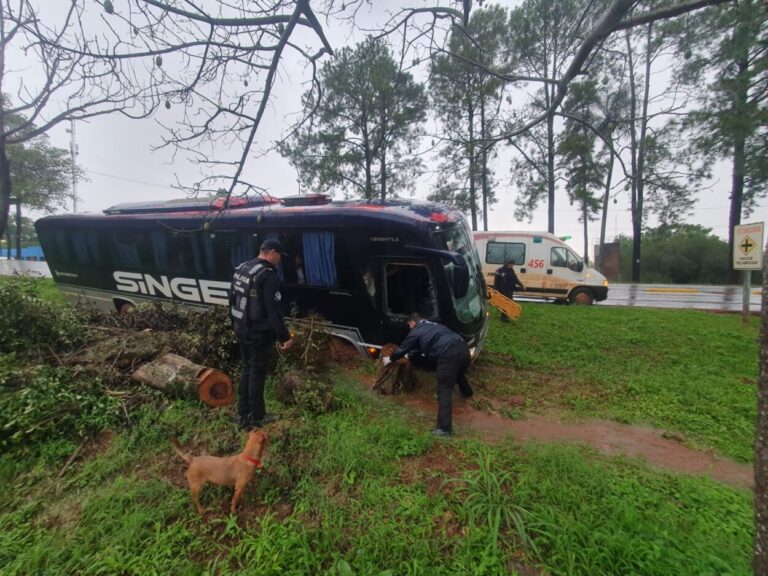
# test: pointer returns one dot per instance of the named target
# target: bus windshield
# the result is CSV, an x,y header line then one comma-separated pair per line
x,y
469,306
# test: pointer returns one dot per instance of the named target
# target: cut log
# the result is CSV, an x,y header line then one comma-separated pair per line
x,y
177,376
396,377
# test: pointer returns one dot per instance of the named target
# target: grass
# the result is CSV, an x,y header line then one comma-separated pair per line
x,y
46,288
687,371
365,489
362,491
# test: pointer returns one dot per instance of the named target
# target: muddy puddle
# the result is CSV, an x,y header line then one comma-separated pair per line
x,y
608,437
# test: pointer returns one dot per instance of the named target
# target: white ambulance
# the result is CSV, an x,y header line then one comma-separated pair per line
x,y
545,265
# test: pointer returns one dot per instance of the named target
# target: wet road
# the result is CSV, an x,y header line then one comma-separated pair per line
x,y
682,296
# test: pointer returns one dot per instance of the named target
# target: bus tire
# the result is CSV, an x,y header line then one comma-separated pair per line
x,y
581,296
124,306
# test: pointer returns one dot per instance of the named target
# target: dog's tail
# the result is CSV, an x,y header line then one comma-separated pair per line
x,y
176,446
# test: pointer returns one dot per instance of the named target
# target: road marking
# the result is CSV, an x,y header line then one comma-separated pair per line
x,y
674,290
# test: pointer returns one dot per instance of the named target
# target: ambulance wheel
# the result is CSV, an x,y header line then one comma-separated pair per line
x,y
581,296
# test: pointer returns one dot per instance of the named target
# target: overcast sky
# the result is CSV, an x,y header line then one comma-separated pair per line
x,y
118,158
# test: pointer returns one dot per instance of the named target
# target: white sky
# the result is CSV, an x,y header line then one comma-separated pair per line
x,y
116,154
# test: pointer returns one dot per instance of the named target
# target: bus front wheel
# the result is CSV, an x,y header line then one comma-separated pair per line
x,y
124,306
581,296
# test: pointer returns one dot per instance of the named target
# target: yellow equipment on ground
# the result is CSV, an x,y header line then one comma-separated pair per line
x,y
504,304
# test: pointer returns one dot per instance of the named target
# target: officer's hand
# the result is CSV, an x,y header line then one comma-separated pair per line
x,y
386,360
287,344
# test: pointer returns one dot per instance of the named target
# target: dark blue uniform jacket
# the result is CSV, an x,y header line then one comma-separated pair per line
x,y
429,338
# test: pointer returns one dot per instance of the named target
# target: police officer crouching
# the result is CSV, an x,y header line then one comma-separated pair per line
x,y
254,306
451,354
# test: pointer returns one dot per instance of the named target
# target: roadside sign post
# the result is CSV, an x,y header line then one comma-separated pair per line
x,y
748,256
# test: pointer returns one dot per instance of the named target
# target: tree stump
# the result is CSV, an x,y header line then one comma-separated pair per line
x,y
177,376
396,377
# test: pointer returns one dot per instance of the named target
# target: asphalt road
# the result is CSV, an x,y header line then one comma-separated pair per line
x,y
648,295
682,296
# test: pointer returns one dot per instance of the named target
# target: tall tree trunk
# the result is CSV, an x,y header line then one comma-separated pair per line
x,y
760,557
641,149
382,149
737,179
5,180
636,223
472,162
5,165
550,169
638,148
585,216
383,175
484,167
368,156
606,200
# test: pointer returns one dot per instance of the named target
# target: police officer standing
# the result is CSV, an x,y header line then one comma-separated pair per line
x,y
254,306
451,354
506,281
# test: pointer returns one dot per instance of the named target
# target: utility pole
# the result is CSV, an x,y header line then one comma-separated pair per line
x,y
73,155
17,201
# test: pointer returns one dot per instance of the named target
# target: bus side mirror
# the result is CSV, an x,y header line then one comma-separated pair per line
x,y
579,266
460,281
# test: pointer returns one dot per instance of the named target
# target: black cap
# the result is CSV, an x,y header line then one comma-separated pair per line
x,y
272,244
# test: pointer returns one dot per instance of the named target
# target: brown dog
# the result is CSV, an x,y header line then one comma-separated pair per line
x,y
234,471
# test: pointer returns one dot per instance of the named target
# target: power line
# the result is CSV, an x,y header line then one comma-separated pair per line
x,y
129,180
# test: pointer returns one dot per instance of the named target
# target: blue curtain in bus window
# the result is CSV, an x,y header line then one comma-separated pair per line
x,y
319,264
126,248
160,250
81,248
240,252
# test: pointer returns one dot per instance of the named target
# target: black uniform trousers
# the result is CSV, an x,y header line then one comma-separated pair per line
x,y
452,368
256,351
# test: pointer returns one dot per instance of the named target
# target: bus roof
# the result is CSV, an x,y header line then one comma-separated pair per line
x,y
310,212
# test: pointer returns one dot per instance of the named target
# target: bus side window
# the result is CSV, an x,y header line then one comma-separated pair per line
x,y
184,254
56,246
126,248
319,259
225,251
409,289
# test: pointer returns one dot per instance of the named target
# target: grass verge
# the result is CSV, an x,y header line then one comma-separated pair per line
x,y
688,371
360,490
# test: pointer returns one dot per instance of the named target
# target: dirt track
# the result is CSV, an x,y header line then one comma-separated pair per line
x,y
607,437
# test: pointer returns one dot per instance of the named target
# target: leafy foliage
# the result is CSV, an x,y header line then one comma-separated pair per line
x,y
678,254
366,125
44,403
467,99
205,337
31,325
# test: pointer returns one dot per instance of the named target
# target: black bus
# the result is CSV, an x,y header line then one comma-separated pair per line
x,y
362,266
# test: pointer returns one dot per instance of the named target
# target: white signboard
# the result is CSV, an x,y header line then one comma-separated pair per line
x,y
748,246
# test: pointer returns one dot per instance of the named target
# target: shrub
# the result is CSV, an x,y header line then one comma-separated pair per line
x,y
30,325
